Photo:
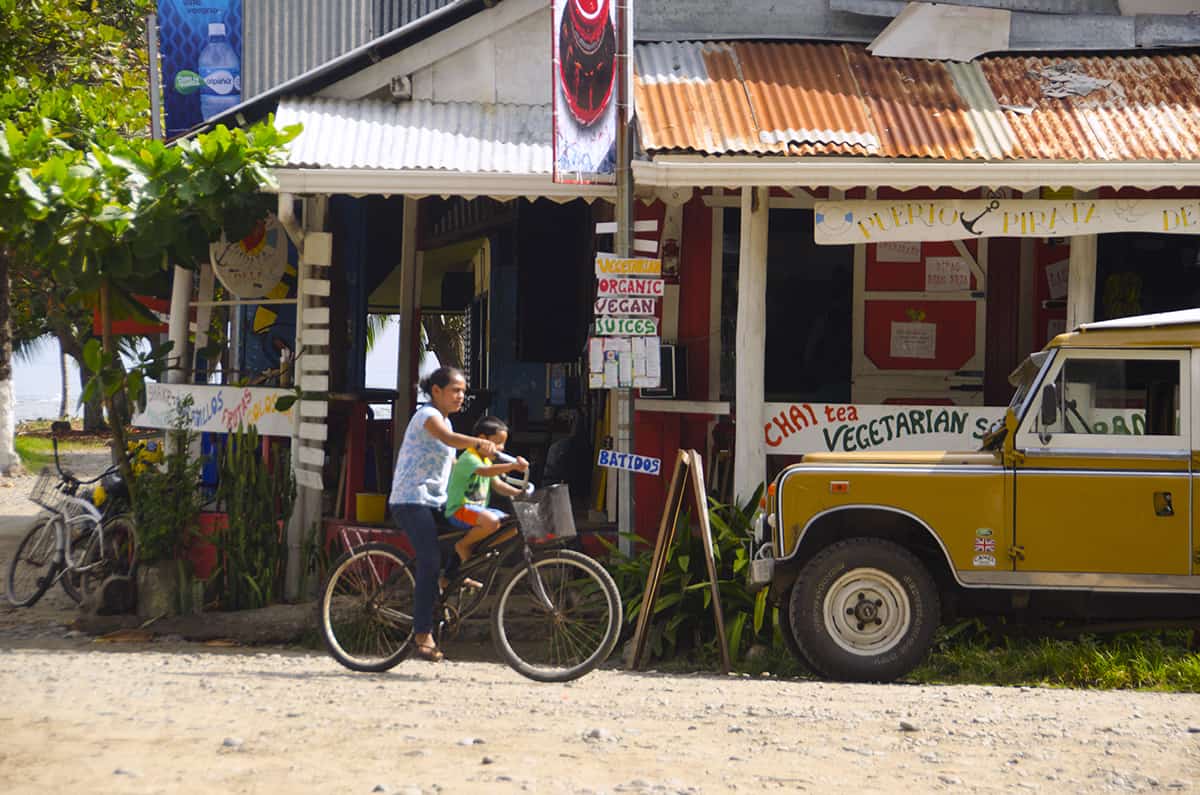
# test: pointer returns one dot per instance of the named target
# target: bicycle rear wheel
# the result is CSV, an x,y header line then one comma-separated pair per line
x,y
117,556
569,636
367,606
34,564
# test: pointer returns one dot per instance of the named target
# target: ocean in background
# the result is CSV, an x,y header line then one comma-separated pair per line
x,y
37,385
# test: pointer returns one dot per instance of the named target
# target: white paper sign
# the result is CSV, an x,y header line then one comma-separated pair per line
x,y
627,326
617,286
625,306
642,465
1057,276
913,340
947,274
898,251
218,409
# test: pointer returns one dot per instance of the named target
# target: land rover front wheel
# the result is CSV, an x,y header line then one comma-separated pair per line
x,y
864,610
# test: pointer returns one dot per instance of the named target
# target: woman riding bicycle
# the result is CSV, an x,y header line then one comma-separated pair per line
x,y
419,490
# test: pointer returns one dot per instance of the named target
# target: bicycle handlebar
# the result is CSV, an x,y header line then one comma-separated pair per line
x,y
508,459
67,475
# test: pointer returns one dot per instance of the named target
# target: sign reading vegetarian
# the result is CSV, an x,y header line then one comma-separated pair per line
x,y
876,221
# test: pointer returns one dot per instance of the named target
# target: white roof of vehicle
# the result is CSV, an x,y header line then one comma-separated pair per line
x,y
1183,317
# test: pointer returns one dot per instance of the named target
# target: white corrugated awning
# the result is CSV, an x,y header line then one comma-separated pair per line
x,y
420,148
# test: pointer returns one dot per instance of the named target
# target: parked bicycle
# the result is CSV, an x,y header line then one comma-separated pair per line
x,y
84,537
555,616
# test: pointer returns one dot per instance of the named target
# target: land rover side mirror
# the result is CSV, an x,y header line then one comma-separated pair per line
x,y
1049,405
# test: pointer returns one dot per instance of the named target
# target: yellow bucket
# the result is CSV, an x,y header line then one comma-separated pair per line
x,y
370,508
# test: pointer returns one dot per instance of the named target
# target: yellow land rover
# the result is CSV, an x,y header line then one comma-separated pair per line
x,y
1079,505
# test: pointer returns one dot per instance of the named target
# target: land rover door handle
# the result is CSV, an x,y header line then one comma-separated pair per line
x,y
1163,505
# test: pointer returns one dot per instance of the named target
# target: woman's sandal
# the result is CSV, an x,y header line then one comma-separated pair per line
x,y
429,653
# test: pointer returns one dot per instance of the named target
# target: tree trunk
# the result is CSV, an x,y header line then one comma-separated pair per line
x,y
9,462
64,365
115,419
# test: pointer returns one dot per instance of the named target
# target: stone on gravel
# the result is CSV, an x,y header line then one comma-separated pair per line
x,y
232,742
905,726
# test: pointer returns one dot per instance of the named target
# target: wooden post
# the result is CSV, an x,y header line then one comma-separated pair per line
x,y
1081,281
749,457
698,491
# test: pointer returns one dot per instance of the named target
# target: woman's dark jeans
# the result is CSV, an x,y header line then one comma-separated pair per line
x,y
417,522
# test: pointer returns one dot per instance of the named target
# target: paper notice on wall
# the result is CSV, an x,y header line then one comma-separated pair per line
x,y
913,340
946,274
596,380
611,373
595,355
1057,274
625,363
653,365
619,344
898,252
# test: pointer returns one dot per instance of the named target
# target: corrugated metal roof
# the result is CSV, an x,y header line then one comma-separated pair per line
x,y
285,38
837,99
458,136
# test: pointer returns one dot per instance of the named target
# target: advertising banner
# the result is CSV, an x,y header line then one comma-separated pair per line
x,y
218,409
584,77
795,428
201,49
875,221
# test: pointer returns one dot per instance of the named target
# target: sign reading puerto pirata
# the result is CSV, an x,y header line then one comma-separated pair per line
x,y
218,409
616,286
874,221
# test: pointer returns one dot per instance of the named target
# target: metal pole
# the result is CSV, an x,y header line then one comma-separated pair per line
x,y
624,414
155,78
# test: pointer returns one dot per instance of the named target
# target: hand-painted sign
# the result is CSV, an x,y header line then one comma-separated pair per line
x,y
794,428
639,464
651,288
218,409
874,221
625,306
627,326
612,265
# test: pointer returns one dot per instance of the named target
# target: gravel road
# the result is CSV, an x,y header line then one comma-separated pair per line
x,y
81,715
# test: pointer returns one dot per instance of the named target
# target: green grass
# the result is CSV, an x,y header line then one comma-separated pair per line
x,y
969,655
1141,661
37,451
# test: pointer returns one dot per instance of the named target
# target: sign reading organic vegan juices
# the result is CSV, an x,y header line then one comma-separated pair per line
x,y
624,349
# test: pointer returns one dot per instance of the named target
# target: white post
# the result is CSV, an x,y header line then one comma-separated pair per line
x,y
750,452
177,325
1081,281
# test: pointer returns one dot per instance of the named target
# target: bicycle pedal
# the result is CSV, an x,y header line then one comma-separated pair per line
x,y
471,583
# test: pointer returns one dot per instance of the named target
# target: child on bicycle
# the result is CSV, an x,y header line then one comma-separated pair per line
x,y
472,479
419,490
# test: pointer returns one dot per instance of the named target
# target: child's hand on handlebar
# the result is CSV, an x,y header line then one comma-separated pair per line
x,y
486,448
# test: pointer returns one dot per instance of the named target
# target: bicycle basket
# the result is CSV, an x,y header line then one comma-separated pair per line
x,y
47,490
546,514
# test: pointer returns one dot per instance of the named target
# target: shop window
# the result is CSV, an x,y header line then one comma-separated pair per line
x,y
1139,274
808,319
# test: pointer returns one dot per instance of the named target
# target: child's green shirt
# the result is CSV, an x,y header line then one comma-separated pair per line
x,y
465,487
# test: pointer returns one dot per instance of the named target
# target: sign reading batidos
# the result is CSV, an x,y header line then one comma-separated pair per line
x,y
874,221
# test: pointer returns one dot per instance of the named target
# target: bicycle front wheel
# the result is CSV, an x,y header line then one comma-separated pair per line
x,y
111,552
33,566
367,607
568,632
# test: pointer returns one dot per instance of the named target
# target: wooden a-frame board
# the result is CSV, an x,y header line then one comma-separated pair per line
x,y
688,467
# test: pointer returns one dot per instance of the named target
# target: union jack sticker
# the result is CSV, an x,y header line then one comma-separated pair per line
x,y
985,545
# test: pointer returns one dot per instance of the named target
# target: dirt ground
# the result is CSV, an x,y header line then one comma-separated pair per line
x,y
168,716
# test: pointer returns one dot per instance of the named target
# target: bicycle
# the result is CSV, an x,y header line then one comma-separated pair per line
x,y
75,543
366,604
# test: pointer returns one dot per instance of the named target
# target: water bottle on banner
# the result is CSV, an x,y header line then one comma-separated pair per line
x,y
220,73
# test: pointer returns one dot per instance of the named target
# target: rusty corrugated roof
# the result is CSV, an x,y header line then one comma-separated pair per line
x,y
836,99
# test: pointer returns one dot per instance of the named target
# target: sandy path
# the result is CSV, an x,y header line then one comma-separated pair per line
x,y
188,719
